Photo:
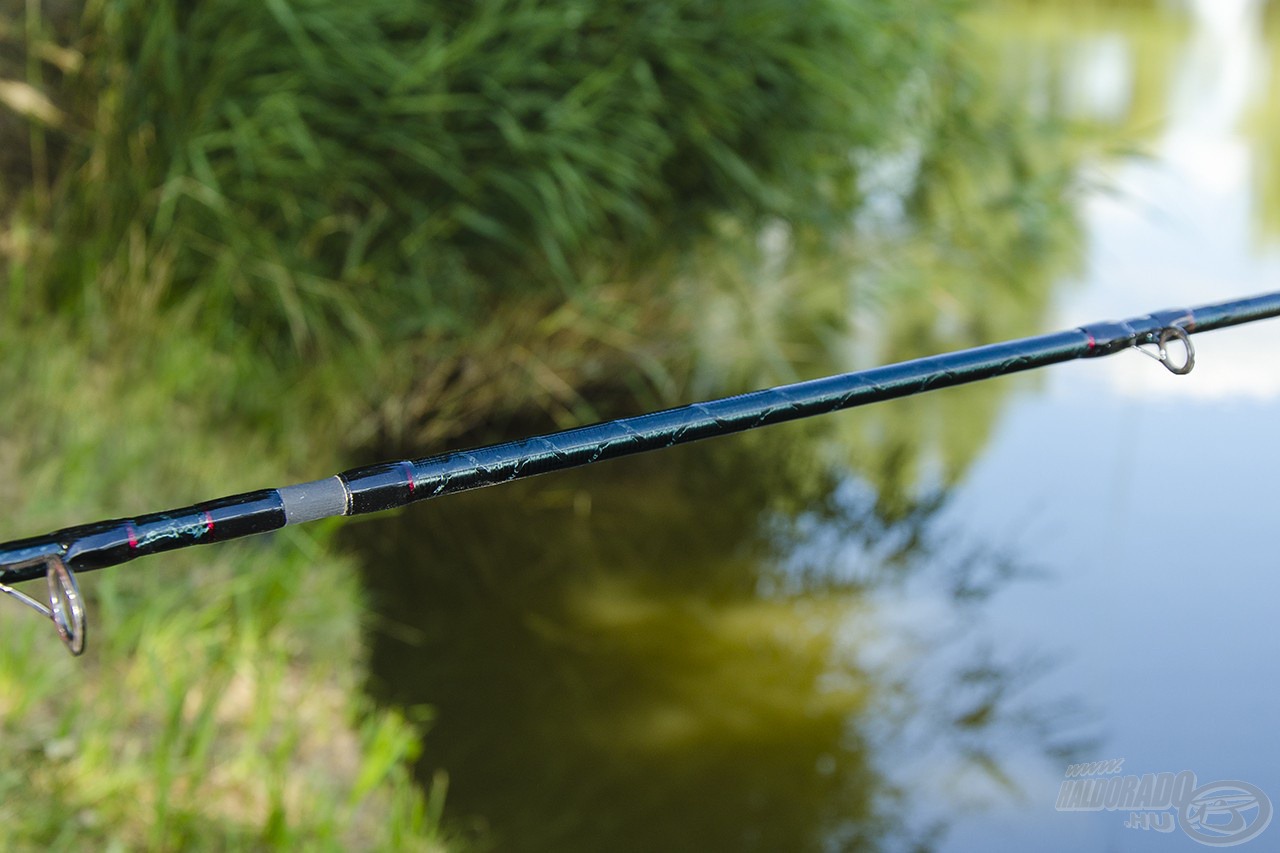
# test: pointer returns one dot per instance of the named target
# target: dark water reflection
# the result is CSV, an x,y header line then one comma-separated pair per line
x,y
653,655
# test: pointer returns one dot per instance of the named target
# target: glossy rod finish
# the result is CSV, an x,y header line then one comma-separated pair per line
x,y
393,484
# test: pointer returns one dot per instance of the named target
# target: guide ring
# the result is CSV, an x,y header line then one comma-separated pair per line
x,y
1162,340
1176,333
66,606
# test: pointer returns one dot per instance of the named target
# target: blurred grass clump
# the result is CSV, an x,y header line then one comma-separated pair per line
x,y
318,172
340,197
241,240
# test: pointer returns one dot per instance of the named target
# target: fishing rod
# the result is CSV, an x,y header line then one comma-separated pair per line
x,y
57,556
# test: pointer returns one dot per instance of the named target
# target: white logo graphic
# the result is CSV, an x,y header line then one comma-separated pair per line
x,y
1218,814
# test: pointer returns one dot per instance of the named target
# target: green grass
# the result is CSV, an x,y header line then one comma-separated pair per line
x,y
320,173
219,703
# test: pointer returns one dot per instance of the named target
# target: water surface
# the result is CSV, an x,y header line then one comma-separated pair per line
x,y
897,625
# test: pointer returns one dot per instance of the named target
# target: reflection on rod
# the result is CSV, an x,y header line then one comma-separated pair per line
x,y
55,556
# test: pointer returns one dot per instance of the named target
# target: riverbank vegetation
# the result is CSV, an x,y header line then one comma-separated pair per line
x,y
246,244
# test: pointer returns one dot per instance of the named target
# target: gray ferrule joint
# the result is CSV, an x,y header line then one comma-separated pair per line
x,y
317,499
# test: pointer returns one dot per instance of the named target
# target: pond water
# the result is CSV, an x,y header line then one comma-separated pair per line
x,y
898,625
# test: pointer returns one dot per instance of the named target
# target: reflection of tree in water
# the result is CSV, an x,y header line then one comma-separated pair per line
x,y
966,232
655,655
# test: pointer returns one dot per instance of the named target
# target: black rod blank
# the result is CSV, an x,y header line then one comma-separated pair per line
x,y
393,484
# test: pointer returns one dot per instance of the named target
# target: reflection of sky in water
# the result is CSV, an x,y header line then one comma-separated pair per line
x,y
1151,498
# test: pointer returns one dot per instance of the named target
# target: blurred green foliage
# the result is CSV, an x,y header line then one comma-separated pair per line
x,y
340,199
313,172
